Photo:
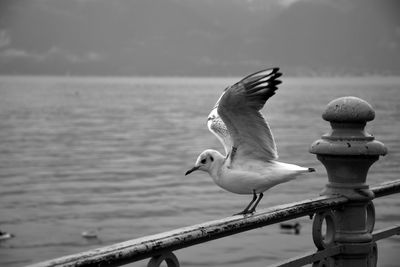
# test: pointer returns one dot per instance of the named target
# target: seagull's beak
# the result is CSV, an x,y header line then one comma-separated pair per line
x,y
195,168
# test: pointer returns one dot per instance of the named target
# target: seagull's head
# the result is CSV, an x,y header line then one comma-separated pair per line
x,y
207,161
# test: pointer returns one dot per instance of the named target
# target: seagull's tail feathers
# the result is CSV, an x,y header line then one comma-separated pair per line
x,y
302,170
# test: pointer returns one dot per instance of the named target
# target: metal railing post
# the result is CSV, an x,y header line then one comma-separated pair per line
x,y
347,152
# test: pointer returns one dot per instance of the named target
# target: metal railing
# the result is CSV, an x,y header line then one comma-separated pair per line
x,y
345,207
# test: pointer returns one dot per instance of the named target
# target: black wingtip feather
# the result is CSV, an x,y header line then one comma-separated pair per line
x,y
277,75
272,72
276,82
257,82
258,87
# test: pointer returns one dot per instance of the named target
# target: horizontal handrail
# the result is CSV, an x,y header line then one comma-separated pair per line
x,y
386,232
386,188
145,247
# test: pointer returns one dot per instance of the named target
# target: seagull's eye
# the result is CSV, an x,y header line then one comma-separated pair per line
x,y
211,157
203,161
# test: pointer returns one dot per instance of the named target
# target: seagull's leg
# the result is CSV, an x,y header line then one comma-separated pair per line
x,y
253,209
246,210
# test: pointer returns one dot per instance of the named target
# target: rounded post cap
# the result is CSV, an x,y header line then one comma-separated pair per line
x,y
348,109
348,116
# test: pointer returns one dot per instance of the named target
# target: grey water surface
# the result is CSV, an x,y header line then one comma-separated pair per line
x,y
109,155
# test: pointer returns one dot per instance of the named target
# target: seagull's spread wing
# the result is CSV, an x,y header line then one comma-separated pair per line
x,y
218,127
239,108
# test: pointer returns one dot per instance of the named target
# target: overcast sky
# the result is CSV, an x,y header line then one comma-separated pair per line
x,y
199,38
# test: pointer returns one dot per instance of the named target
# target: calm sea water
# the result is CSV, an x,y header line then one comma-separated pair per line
x,y
109,154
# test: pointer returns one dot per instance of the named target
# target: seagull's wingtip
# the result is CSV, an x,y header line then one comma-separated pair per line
x,y
311,170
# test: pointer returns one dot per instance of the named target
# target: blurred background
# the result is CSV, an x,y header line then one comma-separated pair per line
x,y
103,107
199,38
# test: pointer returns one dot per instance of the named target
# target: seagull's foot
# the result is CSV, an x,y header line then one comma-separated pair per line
x,y
244,212
253,209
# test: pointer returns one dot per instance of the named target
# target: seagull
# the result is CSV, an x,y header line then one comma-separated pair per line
x,y
250,164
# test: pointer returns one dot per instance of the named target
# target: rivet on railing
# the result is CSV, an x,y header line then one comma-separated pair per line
x,y
168,257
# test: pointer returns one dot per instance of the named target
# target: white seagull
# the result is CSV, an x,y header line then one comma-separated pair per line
x,y
249,166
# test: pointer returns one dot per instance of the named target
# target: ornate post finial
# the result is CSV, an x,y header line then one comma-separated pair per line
x,y
348,150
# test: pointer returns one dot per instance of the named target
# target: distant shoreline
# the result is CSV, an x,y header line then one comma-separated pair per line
x,y
374,79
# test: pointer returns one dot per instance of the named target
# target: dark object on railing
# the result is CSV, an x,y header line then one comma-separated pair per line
x,y
346,207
